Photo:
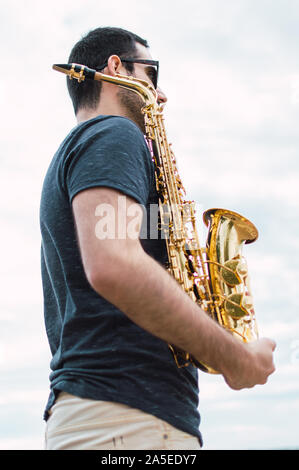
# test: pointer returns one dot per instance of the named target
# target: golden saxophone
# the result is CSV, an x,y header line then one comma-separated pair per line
x,y
216,276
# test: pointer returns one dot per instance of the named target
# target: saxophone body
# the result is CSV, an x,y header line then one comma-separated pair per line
x,y
214,276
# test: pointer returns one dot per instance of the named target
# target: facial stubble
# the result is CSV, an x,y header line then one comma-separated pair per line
x,y
132,104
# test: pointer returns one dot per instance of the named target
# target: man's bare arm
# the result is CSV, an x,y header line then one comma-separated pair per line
x,y
120,271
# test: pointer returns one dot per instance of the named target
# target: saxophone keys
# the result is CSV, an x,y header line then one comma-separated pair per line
x,y
237,305
233,271
233,306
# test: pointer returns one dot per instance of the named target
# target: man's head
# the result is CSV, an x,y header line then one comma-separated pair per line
x,y
93,50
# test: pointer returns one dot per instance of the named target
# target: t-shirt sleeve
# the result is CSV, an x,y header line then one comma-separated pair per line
x,y
113,154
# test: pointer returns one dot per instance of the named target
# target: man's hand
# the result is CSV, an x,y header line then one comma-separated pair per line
x,y
257,371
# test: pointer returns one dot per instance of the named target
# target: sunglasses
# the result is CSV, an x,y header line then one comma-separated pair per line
x,y
153,74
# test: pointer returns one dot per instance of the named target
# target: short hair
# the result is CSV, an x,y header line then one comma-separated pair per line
x,y
93,50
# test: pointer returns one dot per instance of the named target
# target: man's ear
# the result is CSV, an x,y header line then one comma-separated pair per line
x,y
114,65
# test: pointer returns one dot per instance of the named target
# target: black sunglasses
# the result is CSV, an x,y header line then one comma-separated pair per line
x,y
155,63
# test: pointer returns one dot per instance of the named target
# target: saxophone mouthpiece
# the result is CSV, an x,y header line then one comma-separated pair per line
x,y
77,71
62,67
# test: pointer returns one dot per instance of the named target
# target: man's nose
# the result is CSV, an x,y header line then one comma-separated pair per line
x,y
162,98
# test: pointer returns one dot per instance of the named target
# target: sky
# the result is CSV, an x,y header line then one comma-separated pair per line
x,y
230,70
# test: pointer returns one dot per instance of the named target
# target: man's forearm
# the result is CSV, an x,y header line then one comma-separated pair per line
x,y
151,298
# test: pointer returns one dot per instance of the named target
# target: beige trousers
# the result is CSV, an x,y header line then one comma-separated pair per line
x,y
82,424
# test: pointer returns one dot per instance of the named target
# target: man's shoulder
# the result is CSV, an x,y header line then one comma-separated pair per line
x,y
116,133
110,122
111,127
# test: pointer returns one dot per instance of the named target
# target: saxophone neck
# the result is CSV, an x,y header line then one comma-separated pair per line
x,y
82,72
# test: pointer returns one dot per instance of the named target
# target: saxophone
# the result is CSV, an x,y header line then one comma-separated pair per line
x,y
216,276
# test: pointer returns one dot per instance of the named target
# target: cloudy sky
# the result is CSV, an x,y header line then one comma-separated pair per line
x,y
230,70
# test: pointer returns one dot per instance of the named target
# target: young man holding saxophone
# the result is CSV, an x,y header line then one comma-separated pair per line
x,y
110,306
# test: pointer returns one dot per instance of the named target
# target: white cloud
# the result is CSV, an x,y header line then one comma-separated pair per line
x,y
23,443
229,69
22,397
34,351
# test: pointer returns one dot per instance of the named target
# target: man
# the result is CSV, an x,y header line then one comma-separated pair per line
x,y
111,309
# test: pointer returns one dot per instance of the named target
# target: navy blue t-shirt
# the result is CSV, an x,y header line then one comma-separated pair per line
x,y
98,352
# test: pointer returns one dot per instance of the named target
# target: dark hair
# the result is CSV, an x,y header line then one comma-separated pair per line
x,y
93,50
